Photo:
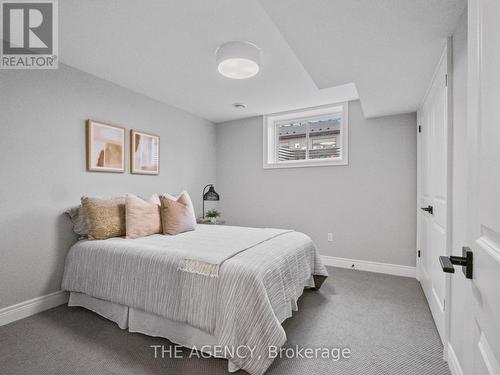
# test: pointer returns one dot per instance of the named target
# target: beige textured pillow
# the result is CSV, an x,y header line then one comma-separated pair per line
x,y
142,216
177,215
105,217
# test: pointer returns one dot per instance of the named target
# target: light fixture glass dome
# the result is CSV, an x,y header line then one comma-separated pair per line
x,y
238,60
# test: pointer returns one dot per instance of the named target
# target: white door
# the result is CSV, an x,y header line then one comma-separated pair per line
x,y
483,226
433,192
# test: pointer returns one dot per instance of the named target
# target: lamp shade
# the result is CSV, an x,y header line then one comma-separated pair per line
x,y
211,195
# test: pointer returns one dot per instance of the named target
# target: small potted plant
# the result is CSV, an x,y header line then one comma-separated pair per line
x,y
213,215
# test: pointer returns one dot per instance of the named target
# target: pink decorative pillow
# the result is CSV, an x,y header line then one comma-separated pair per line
x,y
183,198
177,215
142,216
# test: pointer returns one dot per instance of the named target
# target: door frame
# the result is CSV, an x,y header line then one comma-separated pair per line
x,y
448,55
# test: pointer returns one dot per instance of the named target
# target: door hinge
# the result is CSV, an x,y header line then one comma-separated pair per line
x,y
418,253
446,80
420,128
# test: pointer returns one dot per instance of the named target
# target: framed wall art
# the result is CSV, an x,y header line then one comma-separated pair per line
x,y
144,153
105,147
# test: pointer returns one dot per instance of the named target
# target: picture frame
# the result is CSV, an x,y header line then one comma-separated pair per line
x,y
144,153
105,147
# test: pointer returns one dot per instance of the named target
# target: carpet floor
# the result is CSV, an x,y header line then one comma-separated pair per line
x,y
383,319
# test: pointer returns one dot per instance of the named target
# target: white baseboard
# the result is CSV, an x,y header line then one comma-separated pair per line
x,y
453,361
31,307
364,265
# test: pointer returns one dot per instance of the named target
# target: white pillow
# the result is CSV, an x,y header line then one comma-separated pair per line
x,y
78,218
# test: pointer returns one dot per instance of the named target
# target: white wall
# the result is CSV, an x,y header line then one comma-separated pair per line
x,y
368,205
42,165
459,193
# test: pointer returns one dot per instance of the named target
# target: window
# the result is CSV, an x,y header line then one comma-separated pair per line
x,y
306,138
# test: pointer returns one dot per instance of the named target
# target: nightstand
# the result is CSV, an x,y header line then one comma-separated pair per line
x,y
208,221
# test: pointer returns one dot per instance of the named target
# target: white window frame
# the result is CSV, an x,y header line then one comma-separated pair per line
x,y
270,136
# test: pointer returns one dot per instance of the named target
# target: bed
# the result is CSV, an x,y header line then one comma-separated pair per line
x,y
144,286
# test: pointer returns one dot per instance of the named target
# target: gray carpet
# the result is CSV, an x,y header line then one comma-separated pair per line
x,y
384,320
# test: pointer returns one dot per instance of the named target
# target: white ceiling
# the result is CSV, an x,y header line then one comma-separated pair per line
x,y
166,50
388,48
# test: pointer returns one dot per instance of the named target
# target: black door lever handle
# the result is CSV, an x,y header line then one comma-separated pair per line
x,y
428,209
446,264
465,261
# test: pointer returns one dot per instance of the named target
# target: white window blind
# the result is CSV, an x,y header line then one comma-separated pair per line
x,y
308,137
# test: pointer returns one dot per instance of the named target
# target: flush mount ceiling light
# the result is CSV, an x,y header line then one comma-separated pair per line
x,y
238,60
239,105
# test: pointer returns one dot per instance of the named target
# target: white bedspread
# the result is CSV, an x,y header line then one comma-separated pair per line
x,y
256,289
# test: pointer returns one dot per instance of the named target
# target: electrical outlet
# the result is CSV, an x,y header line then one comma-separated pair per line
x,y
330,237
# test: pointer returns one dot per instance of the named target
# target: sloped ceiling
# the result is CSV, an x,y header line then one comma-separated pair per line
x,y
388,48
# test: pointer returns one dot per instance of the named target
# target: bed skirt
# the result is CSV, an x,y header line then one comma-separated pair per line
x,y
139,321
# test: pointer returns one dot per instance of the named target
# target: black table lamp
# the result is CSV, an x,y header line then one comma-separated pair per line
x,y
210,195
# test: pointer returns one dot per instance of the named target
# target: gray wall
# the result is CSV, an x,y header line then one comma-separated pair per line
x,y
459,195
42,165
368,205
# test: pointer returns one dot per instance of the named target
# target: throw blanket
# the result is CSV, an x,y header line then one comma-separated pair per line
x,y
256,290
205,258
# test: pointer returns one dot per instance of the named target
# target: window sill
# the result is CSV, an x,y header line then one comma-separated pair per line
x,y
304,164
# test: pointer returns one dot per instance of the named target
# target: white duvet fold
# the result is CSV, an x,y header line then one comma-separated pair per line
x,y
205,258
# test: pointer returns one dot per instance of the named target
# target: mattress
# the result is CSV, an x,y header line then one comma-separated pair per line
x,y
255,291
